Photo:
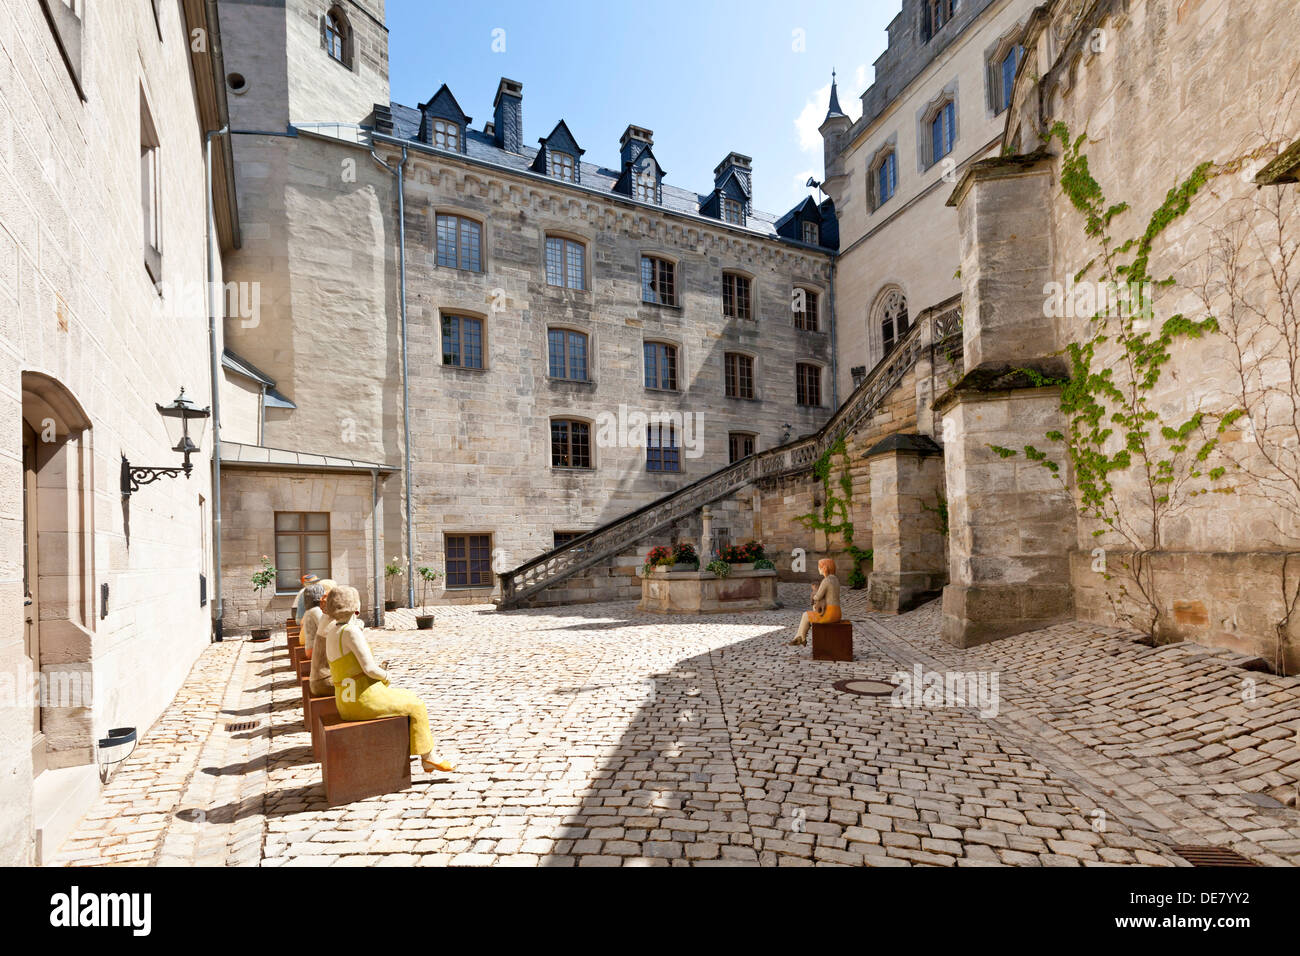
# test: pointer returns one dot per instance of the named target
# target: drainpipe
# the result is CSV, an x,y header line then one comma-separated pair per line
x,y
835,378
406,392
374,529
218,609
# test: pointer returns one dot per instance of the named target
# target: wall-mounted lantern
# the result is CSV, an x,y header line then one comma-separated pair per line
x,y
177,417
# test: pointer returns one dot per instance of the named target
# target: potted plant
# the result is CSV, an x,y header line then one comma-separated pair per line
x,y
718,568
742,556
391,570
427,576
684,558
660,556
263,578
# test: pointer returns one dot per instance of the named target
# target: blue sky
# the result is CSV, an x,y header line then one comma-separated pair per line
x,y
707,77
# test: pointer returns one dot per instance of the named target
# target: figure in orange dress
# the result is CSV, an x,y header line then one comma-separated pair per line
x,y
825,601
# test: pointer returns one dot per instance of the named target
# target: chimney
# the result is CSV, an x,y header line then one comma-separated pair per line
x,y
633,140
508,116
741,164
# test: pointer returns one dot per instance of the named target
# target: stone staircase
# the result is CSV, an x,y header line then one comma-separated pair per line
x,y
936,326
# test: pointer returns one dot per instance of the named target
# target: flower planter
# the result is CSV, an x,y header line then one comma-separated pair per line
x,y
702,592
261,634
424,621
748,566
683,567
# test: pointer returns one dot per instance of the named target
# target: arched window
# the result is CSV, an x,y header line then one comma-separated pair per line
x,y
336,35
884,177
941,131
891,317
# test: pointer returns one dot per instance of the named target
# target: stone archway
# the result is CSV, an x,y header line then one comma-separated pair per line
x,y
58,569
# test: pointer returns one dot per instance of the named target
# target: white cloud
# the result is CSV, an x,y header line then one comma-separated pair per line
x,y
810,118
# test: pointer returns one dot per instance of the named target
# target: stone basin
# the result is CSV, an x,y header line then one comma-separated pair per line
x,y
703,592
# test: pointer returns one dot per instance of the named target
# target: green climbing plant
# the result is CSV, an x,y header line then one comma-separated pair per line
x,y
1113,422
834,515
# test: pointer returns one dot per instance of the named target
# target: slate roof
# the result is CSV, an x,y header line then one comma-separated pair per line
x,y
479,145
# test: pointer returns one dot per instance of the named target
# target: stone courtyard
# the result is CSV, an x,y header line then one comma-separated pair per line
x,y
602,736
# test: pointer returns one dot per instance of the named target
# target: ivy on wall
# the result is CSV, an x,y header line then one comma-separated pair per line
x,y
1112,424
834,516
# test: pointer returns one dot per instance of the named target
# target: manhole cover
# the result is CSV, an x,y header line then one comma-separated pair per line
x,y
241,725
1211,856
866,687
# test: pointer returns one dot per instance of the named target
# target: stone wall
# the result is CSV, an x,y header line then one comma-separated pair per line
x,y
249,500
88,346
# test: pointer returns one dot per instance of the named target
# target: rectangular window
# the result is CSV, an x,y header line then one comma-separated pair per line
x,y
739,445
469,560
567,354
943,132
660,366
562,166
565,263
570,444
643,186
808,384
886,178
662,452
736,297
564,538
658,281
805,319
150,193
811,233
460,242
1008,77
462,341
733,211
302,546
739,375
446,134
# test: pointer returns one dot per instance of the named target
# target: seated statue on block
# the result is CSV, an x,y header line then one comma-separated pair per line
x,y
825,600
314,624
361,689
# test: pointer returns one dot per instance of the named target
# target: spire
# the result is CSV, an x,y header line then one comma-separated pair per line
x,y
834,109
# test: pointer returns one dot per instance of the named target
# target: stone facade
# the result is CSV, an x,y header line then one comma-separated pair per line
x,y
90,344
908,242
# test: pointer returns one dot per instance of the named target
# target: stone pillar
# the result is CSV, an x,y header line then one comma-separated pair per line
x,y
1012,523
706,535
906,525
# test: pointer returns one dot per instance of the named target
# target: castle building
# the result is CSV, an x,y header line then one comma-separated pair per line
x,y
106,564
562,341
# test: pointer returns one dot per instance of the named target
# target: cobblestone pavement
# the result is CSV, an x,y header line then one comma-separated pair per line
x,y
598,735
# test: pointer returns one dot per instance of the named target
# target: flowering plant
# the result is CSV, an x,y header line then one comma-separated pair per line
x,y
659,556
742,553
685,554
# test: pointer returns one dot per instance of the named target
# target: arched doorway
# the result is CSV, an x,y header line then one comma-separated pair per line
x,y
58,557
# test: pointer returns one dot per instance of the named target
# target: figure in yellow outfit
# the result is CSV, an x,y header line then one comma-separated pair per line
x,y
361,686
825,599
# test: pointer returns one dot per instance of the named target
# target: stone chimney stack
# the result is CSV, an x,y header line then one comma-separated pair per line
x,y
741,164
634,139
508,116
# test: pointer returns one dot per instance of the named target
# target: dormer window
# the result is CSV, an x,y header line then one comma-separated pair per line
x,y
643,184
446,134
562,166
811,233
733,211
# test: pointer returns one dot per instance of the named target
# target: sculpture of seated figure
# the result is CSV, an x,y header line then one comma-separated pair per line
x,y
361,688
314,624
825,599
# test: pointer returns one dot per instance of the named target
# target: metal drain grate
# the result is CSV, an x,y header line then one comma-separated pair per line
x,y
1211,856
242,725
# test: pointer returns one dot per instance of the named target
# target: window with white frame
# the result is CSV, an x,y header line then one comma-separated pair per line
x,y
446,134
733,211
563,166
812,233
